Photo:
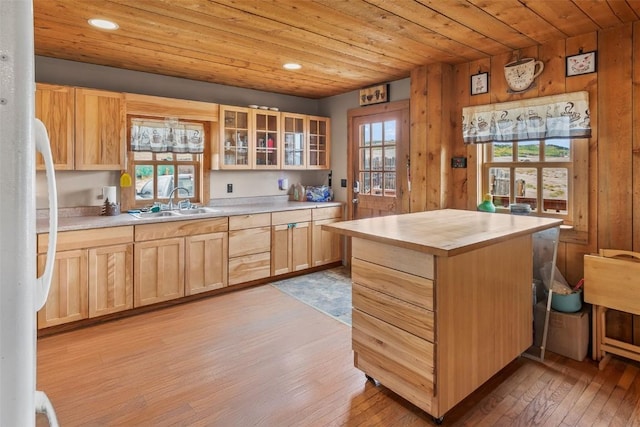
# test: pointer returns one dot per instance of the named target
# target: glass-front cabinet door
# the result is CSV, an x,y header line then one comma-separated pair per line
x,y
235,131
266,139
319,133
294,154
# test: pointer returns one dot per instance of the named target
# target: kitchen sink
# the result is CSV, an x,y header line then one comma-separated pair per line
x,y
161,214
196,211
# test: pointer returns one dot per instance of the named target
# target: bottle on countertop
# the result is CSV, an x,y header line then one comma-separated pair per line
x,y
487,204
299,193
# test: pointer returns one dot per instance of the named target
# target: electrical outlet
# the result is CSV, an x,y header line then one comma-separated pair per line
x,y
343,183
229,188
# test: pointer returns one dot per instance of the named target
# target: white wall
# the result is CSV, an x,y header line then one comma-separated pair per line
x,y
83,188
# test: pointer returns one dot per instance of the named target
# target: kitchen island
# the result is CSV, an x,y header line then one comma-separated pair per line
x,y
442,300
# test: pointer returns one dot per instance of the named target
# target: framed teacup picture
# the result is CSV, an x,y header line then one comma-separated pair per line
x,y
479,83
582,63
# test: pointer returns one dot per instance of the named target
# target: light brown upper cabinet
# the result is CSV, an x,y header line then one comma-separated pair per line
x,y
55,107
86,127
319,152
265,139
100,130
262,139
235,127
295,128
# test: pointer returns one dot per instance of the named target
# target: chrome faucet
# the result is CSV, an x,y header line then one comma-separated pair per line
x,y
171,204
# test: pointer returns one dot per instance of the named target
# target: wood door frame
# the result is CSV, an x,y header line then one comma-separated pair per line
x,y
370,111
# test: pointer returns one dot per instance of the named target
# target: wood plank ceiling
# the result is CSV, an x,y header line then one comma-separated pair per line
x,y
342,45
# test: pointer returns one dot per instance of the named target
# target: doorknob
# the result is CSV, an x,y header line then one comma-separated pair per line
x,y
354,201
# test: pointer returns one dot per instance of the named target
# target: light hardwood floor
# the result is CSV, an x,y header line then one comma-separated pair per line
x,y
258,357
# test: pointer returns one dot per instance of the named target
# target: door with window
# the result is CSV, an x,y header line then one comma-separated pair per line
x,y
378,159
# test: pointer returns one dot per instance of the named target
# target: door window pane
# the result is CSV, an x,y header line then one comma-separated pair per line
x,y
390,184
376,158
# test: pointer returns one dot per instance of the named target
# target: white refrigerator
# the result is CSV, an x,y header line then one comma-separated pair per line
x,y
22,293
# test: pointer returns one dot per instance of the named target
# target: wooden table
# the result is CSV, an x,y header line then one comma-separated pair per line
x,y
441,300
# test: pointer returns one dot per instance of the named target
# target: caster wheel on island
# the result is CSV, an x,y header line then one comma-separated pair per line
x,y
373,380
439,420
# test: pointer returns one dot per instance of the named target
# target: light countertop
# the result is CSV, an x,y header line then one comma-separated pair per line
x,y
445,232
244,207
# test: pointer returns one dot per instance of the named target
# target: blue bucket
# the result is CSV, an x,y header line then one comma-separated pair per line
x,y
569,303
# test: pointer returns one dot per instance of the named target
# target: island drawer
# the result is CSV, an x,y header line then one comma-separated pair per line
x,y
401,314
407,287
395,357
395,257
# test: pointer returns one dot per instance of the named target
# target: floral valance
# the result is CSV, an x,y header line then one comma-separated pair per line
x,y
557,116
170,135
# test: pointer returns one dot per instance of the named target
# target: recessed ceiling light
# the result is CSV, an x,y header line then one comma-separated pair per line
x,y
292,66
103,24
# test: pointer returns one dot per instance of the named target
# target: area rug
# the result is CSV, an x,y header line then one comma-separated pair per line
x,y
328,291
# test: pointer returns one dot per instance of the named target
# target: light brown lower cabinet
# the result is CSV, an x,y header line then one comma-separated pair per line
x,y
326,246
169,255
67,301
133,266
249,247
87,282
207,262
110,279
290,241
159,271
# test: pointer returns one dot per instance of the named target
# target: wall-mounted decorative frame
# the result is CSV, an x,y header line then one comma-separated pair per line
x,y
374,94
582,63
479,83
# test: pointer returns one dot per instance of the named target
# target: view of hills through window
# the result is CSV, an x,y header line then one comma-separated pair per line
x,y
548,160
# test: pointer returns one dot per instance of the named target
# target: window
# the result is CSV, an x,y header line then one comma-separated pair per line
x,y
377,158
549,175
156,174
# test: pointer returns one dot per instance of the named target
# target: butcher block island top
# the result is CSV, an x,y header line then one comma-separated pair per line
x,y
442,300
445,232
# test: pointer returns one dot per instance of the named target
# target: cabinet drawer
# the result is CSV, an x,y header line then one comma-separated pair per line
x,y
401,314
395,257
408,357
239,222
81,239
163,230
250,241
407,287
288,217
326,213
251,267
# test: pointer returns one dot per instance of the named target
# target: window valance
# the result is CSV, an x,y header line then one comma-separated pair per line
x,y
159,136
557,116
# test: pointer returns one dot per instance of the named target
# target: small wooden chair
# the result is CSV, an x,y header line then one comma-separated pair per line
x,y
612,281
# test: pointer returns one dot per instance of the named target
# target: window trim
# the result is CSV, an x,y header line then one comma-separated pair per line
x,y
575,227
128,194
